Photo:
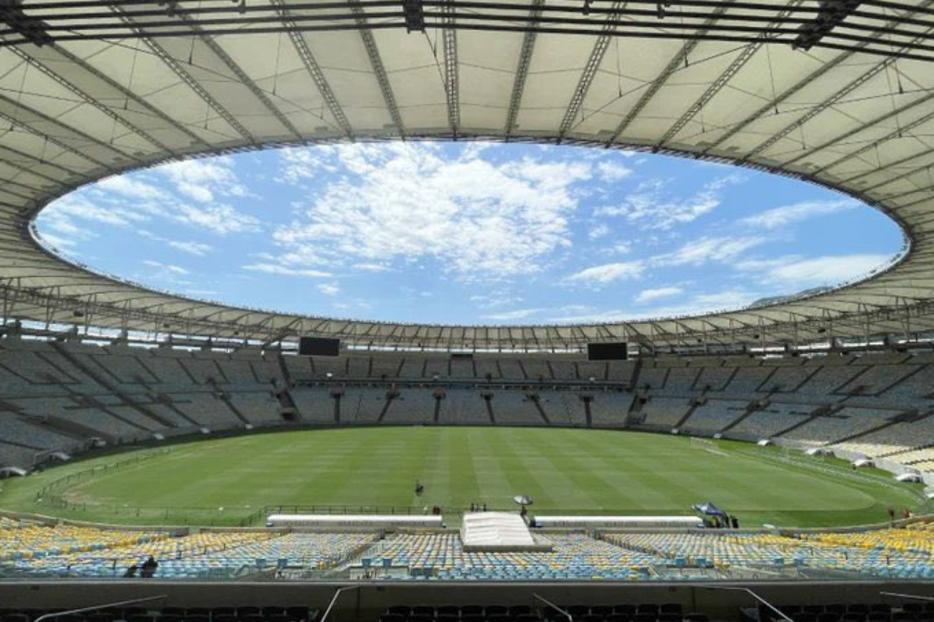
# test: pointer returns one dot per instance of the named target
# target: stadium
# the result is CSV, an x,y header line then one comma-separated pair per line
x,y
170,459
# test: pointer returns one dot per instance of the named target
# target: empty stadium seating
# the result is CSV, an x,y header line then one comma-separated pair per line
x,y
68,396
32,549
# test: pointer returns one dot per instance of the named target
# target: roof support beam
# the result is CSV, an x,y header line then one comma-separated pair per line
x,y
772,105
822,70
824,105
721,81
861,128
91,101
376,61
6,149
24,114
892,165
589,71
314,70
241,75
187,78
14,113
451,72
676,61
522,71
900,132
130,95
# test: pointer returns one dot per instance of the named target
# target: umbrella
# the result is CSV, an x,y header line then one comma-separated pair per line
x,y
709,508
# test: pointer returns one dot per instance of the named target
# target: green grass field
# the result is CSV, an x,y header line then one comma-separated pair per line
x,y
564,470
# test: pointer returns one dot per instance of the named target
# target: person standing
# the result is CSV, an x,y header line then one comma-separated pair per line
x,y
149,568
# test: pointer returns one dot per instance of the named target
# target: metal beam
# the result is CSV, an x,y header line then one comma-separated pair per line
x,y
898,133
314,70
241,75
130,95
187,78
673,64
522,71
861,128
17,108
91,101
31,158
590,70
451,71
721,81
69,148
892,165
379,70
824,105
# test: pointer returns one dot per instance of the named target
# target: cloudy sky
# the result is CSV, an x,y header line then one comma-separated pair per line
x,y
468,233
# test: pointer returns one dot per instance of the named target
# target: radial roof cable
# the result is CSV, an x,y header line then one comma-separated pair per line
x,y
832,13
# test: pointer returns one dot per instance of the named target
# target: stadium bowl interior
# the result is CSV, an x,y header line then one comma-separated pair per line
x,y
91,93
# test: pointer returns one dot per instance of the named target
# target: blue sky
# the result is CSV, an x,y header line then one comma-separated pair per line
x,y
468,232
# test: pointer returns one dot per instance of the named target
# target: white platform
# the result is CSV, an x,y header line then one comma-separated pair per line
x,y
498,531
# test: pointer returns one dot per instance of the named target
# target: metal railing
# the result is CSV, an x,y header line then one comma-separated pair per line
x,y
121,603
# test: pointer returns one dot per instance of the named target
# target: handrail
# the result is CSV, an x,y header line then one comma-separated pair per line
x,y
753,594
334,598
135,601
553,606
898,595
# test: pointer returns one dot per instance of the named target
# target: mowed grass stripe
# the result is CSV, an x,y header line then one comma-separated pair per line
x,y
567,470
645,485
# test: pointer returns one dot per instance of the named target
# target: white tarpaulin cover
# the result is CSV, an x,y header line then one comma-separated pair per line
x,y
496,531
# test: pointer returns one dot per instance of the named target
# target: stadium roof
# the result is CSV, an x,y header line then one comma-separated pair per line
x,y
839,93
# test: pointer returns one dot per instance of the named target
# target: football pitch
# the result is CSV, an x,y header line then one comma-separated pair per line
x,y
234,481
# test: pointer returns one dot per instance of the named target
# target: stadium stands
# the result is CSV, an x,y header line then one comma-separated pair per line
x,y
65,550
70,396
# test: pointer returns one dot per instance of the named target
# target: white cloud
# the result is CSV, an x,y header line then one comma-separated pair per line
x,y
270,268
216,219
192,248
478,219
620,248
165,266
304,163
607,273
591,317
329,289
496,299
203,179
697,305
653,207
787,214
515,314
817,271
128,186
706,249
75,206
599,231
612,171
648,295
371,267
